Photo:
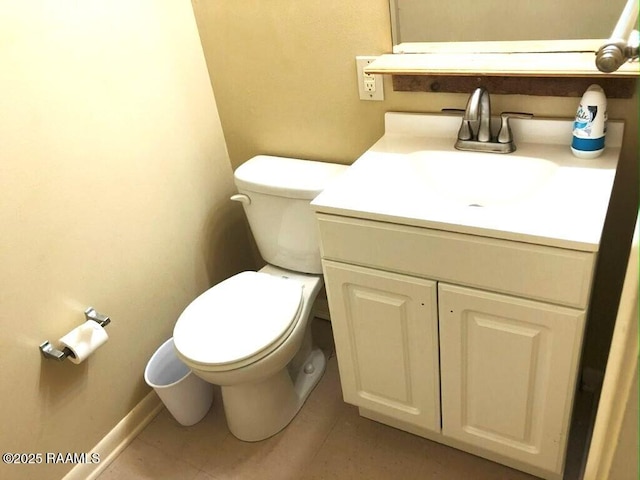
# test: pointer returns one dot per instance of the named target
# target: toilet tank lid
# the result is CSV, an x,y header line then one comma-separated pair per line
x,y
288,177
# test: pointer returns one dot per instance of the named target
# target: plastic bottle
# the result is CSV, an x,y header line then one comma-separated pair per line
x,y
590,126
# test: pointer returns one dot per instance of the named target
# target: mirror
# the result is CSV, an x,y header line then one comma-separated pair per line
x,y
502,20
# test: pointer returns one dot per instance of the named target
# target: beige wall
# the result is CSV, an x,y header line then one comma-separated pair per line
x,y
115,181
114,176
284,75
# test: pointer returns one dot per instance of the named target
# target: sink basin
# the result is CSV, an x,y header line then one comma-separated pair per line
x,y
540,194
481,179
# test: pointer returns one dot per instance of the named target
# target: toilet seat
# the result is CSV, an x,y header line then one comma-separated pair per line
x,y
238,321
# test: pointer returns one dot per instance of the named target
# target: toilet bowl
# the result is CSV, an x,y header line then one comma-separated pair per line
x,y
251,333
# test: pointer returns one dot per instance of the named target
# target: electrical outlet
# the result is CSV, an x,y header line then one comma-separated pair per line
x,y
370,87
369,84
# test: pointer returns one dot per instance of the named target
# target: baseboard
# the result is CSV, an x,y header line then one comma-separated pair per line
x,y
118,438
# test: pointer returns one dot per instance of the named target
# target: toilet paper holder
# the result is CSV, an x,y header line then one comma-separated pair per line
x,y
50,352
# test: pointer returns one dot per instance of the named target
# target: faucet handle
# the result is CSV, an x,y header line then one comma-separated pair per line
x,y
504,135
465,128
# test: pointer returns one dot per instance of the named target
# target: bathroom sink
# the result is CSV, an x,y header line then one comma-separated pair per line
x,y
538,194
481,179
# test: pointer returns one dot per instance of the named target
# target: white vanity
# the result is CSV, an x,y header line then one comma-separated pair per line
x,y
458,283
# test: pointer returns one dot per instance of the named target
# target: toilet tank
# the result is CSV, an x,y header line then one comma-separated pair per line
x,y
279,192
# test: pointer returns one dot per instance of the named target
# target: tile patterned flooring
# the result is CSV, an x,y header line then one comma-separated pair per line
x,y
326,440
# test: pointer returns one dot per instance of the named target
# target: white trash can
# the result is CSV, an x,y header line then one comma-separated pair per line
x,y
187,397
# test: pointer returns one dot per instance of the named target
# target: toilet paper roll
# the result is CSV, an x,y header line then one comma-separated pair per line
x,y
84,340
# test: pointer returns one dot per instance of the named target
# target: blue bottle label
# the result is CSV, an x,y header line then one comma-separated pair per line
x,y
587,144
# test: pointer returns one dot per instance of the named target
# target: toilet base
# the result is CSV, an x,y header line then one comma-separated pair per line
x,y
259,410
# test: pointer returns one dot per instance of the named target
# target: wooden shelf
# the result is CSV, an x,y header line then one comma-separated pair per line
x,y
545,64
548,68
540,86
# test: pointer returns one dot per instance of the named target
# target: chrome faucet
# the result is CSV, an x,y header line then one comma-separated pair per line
x,y
476,122
475,131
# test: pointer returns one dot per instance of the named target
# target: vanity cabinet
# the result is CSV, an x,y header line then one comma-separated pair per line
x,y
421,315
458,283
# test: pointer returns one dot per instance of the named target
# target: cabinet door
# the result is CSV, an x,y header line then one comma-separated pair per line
x,y
509,369
386,335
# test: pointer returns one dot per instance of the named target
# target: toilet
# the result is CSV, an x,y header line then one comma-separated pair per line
x,y
251,333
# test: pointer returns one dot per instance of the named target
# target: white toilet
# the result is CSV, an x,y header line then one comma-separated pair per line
x,y
250,333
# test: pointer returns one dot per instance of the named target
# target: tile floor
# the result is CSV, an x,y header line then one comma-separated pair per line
x,y
326,440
